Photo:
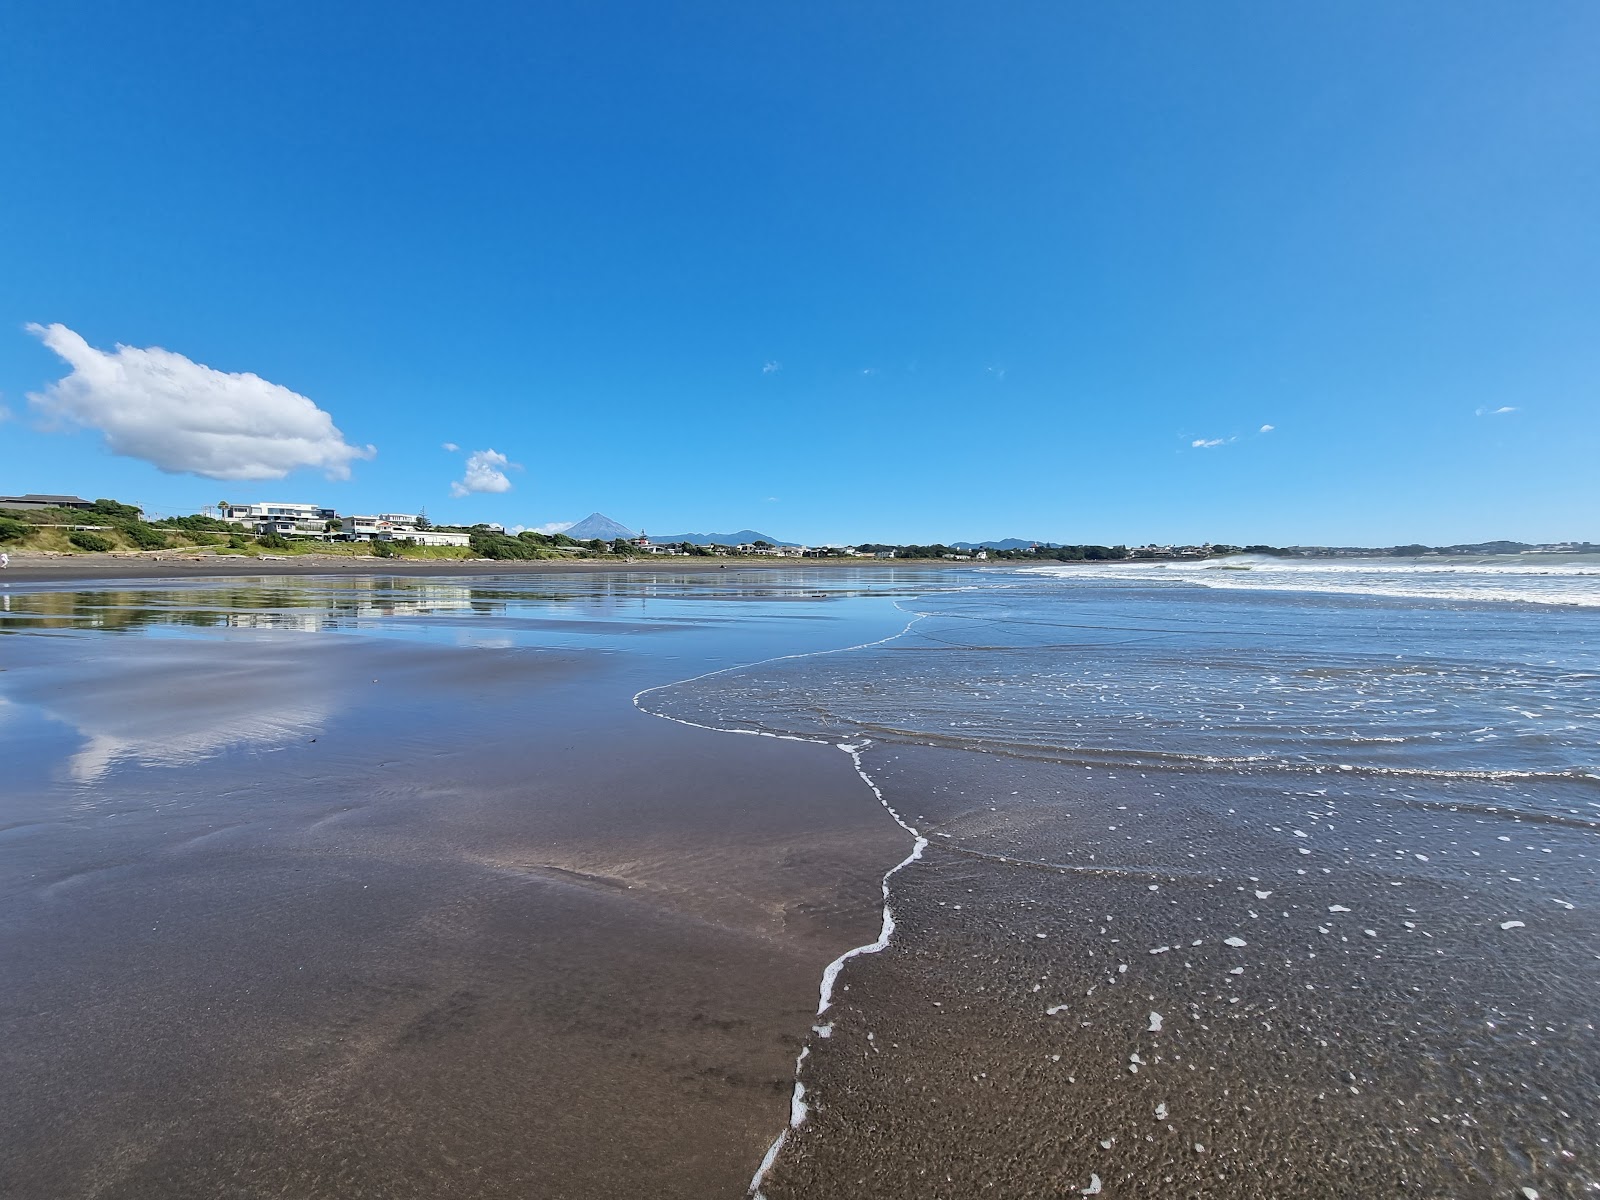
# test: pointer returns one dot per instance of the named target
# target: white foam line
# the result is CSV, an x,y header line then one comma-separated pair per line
x,y
798,1108
831,973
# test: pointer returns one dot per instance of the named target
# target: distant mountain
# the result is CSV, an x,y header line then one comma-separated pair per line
x,y
1002,544
716,539
598,525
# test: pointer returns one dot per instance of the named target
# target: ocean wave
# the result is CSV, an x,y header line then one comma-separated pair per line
x,y
1574,582
1132,759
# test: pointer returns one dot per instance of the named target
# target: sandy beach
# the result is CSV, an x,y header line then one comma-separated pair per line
x,y
77,568
307,914
396,884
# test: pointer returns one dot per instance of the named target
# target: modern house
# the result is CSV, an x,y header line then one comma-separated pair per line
x,y
395,527
325,524
246,514
425,537
280,517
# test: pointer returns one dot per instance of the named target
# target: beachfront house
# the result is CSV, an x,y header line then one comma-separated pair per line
x,y
35,501
395,527
424,537
281,517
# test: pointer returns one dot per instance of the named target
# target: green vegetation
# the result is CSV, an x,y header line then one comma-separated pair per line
x,y
146,537
93,542
13,531
197,524
1070,553
488,543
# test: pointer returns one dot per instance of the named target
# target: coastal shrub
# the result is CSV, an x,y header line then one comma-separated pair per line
x,y
145,537
272,541
486,544
115,508
11,531
236,542
198,523
93,542
384,550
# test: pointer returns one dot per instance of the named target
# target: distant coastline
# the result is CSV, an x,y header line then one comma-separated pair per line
x,y
63,527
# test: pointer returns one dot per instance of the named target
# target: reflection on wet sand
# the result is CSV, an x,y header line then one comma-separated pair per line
x,y
383,887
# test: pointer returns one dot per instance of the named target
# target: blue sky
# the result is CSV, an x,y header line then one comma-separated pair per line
x,y
833,271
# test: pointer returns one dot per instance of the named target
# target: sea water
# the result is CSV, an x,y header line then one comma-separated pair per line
x,y
1485,670
1299,854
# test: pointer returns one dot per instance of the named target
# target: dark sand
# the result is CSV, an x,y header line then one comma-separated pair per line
x,y
82,568
371,918
493,932
1407,1046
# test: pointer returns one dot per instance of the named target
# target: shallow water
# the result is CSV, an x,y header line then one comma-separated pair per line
x,y
1382,785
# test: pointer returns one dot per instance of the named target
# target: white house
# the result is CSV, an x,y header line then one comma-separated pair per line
x,y
424,537
246,514
280,517
357,528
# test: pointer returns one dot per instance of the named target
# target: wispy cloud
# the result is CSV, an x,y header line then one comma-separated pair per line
x,y
1497,412
183,417
1266,429
997,372
1210,443
771,367
485,473
450,446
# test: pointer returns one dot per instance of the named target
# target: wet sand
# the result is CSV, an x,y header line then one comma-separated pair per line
x,y
1139,994
38,568
380,916
314,915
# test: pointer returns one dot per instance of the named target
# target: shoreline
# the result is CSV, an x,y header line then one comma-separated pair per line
x,y
76,569
799,1109
538,965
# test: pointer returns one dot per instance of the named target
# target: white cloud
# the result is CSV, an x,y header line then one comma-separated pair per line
x,y
184,417
553,527
484,474
1496,412
771,367
1267,428
450,446
1208,443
